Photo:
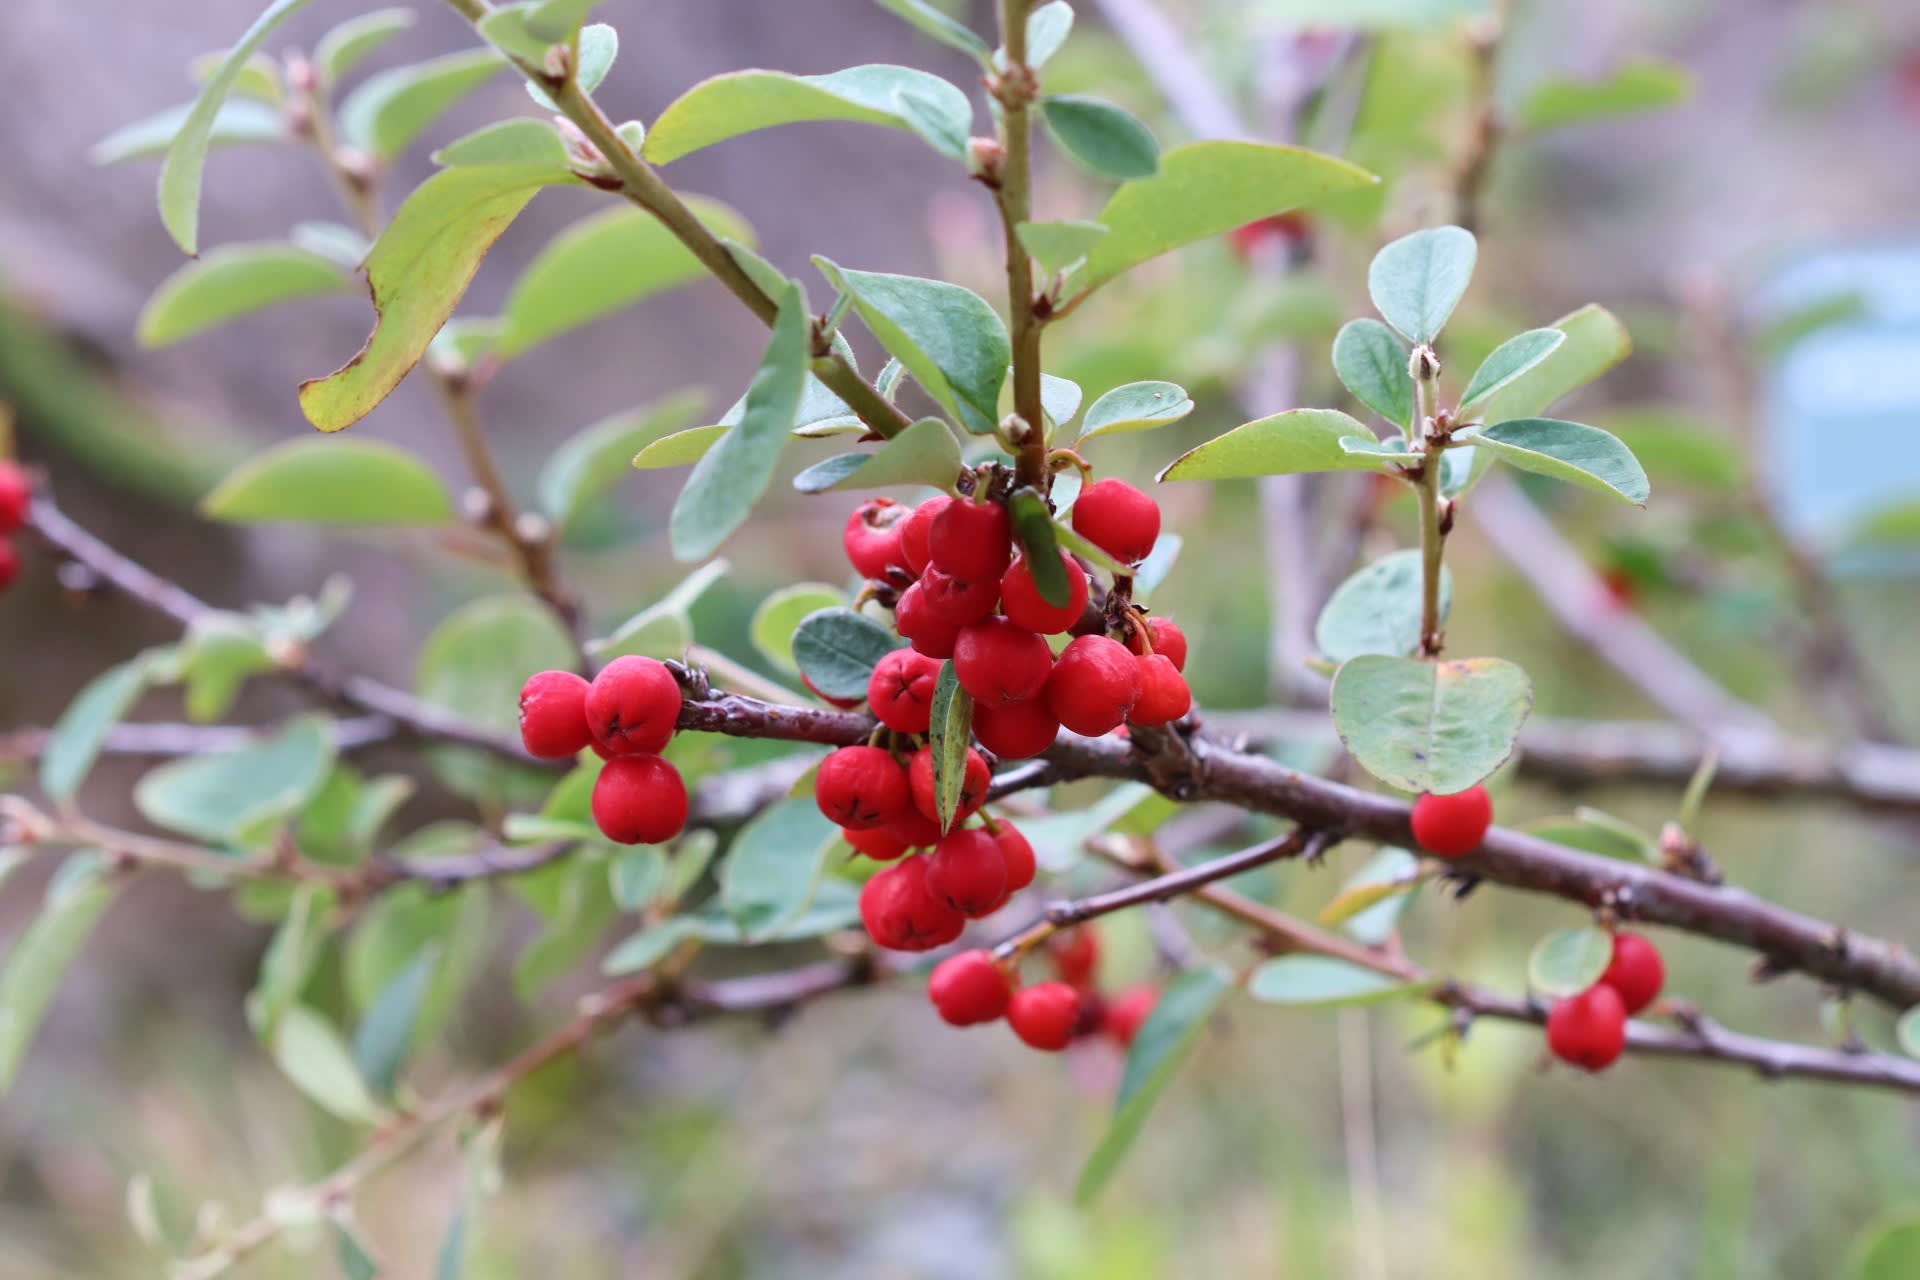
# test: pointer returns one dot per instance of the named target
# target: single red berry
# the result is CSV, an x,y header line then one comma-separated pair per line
x,y
1094,684
876,842
1448,826
1164,696
845,704
1636,971
1117,518
969,989
997,662
633,705
872,537
1279,230
914,828
975,780
914,531
861,788
1025,606
968,870
1075,954
1044,1015
1019,855
957,601
971,540
929,634
16,495
9,564
902,914
639,800
553,715
1015,730
900,691
1590,1029
1168,640
1126,1011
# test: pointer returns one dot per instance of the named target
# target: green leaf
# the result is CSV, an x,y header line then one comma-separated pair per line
x,y
1599,833
1392,450
290,958
1057,246
557,20
389,110
1509,361
929,21
238,122
1886,1251
1047,29
392,932
1571,451
679,448
219,652
356,1259
949,339
230,282
259,77
187,153
1038,536
1641,84
1060,398
575,904
1596,341
931,118
321,480
738,102
313,1056
1372,365
1377,610
603,263
924,454
592,462
595,52
664,629
42,953
1374,898
1299,440
418,269
334,241
1100,137
507,142
223,798
1206,188
473,664
76,739
952,722
837,650
1322,980
635,877
1159,1048
386,1033
1429,726
731,477
1416,281
1567,962
347,45
775,861
1137,406
1907,1031
781,613
649,946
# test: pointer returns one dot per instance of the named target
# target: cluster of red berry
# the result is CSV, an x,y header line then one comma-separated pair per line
x,y
1590,1029
972,987
16,494
627,714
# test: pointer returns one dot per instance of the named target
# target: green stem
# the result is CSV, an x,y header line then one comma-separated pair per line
x,y
1015,89
1433,537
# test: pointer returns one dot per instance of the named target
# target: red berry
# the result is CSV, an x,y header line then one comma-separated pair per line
x,y
973,785
902,914
1025,606
639,800
1164,696
872,537
553,715
1015,730
914,828
1279,229
16,495
633,705
1117,518
9,564
845,704
929,634
876,842
957,601
861,788
1126,1011
1075,955
1019,855
969,988
1635,971
1590,1029
1044,1015
998,662
1094,684
971,540
1168,640
969,872
901,690
913,533
1448,826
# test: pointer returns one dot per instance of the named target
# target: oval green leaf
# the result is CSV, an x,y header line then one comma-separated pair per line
x,y
1137,406
347,45
1508,362
769,874
1567,962
924,454
1571,451
527,142
679,448
837,650
738,102
1100,137
952,722
1059,245
313,1056
1430,726
388,111
238,122
42,953
1322,980
1416,281
780,615
1299,440
1377,610
332,481
1372,364
592,462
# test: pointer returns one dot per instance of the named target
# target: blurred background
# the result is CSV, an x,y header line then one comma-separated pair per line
x,y
1760,237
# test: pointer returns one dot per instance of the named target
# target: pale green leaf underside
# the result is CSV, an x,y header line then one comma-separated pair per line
x,y
1323,980
738,102
926,453
1137,406
1569,961
1377,610
1430,726
232,281
1297,441
1372,364
1416,281
332,481
1570,451
1507,362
